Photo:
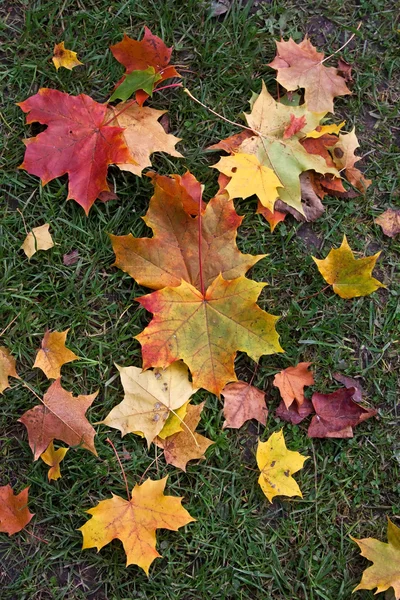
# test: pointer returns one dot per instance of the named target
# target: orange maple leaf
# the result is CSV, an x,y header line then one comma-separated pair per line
x,y
53,354
14,513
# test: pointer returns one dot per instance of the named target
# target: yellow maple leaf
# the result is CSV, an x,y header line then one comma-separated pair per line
x,y
143,134
150,396
135,521
65,58
349,276
385,571
7,368
54,354
277,464
248,177
323,129
37,239
174,422
53,458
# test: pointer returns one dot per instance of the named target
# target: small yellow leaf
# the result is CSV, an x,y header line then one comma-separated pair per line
x,y
349,276
174,422
53,354
323,129
53,458
37,239
248,177
385,571
7,368
277,464
65,58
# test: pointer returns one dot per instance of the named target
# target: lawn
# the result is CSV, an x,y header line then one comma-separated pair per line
x,y
241,546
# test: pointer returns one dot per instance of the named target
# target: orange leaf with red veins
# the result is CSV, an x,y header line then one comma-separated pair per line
x,y
78,142
172,254
301,66
206,331
273,218
337,414
185,445
390,222
291,382
54,354
61,417
151,51
142,133
343,154
243,402
7,368
14,513
295,125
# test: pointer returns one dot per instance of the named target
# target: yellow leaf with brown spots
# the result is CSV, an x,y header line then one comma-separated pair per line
x,y
65,58
54,354
150,397
135,522
277,465
350,277
53,458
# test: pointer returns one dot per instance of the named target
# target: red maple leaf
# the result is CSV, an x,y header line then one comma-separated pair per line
x,y
77,141
138,56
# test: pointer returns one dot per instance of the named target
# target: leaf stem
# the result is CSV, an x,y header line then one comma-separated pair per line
x,y
121,467
200,226
343,46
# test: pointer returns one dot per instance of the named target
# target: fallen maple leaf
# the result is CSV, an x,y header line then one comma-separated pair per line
x,y
349,382
345,159
136,80
150,396
174,422
273,218
172,254
65,58
142,133
337,414
301,66
296,124
205,331
135,521
53,354
291,382
390,222
350,277
53,458
7,368
277,464
272,155
61,417
77,141
151,51
345,69
187,444
14,512
385,571
37,239
323,130
296,413
243,402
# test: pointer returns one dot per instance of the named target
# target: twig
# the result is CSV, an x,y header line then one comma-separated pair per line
x,y
9,325
316,293
343,46
121,467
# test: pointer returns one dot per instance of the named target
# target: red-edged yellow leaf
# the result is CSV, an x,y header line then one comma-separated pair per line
x,y
77,142
135,521
172,255
207,331
14,513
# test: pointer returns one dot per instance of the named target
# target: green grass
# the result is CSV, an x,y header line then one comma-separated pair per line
x,y
241,546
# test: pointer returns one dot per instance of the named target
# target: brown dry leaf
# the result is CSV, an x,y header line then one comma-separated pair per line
x,y
345,159
61,417
390,222
291,383
242,403
37,239
7,368
54,354
187,444
143,134
71,258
